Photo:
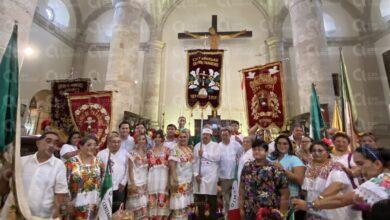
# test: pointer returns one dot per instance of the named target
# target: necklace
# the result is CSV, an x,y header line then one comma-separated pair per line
x,y
315,170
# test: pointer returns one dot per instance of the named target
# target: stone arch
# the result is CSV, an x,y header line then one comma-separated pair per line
x,y
40,109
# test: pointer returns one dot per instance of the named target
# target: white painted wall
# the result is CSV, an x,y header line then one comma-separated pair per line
x,y
69,30
240,53
95,68
345,23
51,60
377,21
100,30
382,46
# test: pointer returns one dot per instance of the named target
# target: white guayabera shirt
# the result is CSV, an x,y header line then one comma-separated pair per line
x,y
230,155
41,181
119,166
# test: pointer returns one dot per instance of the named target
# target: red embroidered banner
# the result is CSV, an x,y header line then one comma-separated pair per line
x,y
204,77
91,113
264,95
59,105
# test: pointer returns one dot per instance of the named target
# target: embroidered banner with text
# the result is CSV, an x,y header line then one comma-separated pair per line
x,y
204,77
264,95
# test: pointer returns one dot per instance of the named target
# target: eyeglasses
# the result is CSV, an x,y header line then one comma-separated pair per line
x,y
282,143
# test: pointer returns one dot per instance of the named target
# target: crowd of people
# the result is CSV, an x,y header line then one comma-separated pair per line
x,y
167,176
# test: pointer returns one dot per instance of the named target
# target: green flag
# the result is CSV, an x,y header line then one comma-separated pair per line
x,y
291,213
105,208
316,121
9,71
348,106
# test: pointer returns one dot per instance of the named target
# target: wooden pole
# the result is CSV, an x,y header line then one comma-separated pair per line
x,y
201,145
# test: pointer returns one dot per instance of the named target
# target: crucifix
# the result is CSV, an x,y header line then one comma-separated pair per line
x,y
213,35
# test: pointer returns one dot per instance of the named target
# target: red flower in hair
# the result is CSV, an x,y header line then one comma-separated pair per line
x,y
45,123
327,141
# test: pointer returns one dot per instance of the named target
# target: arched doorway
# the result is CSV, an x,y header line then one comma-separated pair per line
x,y
39,111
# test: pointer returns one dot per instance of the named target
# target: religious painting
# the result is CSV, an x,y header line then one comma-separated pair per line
x,y
59,108
91,113
264,95
204,77
134,120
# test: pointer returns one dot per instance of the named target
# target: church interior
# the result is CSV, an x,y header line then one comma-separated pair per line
x,y
108,100
134,49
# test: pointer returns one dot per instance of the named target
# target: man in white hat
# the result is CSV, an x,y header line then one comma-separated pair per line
x,y
207,156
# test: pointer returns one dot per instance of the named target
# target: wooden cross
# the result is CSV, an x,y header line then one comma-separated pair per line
x,y
213,35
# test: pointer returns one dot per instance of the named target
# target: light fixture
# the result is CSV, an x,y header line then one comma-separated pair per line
x,y
28,51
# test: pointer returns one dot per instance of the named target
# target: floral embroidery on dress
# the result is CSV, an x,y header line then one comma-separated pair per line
x,y
158,196
85,180
261,186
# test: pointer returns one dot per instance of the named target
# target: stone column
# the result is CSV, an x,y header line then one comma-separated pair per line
x,y
21,11
151,81
79,55
123,57
275,48
310,50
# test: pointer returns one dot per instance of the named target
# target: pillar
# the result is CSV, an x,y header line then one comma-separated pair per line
x,y
310,50
123,57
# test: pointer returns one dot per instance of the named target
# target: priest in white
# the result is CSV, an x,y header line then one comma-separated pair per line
x,y
231,152
118,160
207,156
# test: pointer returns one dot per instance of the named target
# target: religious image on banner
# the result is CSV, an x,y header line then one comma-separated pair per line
x,y
59,105
204,77
264,95
91,113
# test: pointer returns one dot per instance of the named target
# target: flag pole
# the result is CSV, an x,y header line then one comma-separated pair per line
x,y
342,101
201,144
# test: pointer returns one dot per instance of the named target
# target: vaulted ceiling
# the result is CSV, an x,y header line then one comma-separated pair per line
x,y
274,11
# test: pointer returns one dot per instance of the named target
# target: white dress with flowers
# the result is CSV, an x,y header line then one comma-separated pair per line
x,y
375,189
137,201
182,198
158,196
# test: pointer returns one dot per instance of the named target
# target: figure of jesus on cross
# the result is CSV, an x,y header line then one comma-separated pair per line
x,y
214,36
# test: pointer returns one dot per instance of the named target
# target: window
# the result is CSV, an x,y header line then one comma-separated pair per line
x,y
385,9
59,13
329,24
50,14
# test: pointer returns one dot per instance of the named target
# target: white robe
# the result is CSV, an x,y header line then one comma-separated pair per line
x,y
209,168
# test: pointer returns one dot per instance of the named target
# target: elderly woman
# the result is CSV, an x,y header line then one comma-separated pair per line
x,y
369,140
325,178
85,174
375,166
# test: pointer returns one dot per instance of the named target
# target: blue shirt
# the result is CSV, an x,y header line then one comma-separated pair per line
x,y
289,162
